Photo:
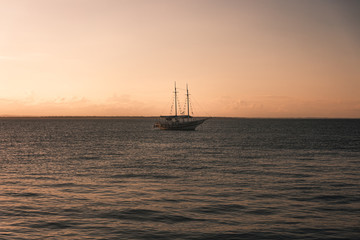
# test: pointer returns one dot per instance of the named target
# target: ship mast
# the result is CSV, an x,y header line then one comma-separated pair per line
x,y
187,99
175,101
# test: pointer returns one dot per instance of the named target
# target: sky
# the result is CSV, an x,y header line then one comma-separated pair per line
x,y
256,58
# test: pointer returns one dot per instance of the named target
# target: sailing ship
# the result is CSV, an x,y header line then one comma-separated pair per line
x,y
179,122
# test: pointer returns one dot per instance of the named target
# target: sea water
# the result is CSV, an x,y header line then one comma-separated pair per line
x,y
118,178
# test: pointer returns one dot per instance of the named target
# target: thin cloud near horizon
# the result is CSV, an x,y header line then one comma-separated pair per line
x,y
126,106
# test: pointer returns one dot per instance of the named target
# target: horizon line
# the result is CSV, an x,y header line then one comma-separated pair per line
x,y
134,117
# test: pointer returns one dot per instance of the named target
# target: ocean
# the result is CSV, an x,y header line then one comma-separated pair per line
x,y
232,178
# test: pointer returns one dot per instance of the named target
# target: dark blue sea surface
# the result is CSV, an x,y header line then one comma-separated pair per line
x,y
113,178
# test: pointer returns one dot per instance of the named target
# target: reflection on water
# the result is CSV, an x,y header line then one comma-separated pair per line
x,y
231,179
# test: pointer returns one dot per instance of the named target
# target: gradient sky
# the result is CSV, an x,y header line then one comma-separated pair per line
x,y
256,58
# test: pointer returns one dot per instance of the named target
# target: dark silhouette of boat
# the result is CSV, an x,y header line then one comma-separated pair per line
x,y
179,122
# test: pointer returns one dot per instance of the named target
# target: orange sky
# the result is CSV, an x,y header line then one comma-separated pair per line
x,y
122,57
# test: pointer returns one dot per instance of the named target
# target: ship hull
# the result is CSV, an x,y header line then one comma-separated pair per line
x,y
179,126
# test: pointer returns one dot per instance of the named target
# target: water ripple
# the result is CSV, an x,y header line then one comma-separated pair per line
x,y
234,179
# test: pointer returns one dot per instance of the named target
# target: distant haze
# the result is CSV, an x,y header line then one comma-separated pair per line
x,y
258,58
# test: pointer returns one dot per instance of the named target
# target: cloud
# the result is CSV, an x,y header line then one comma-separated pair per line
x,y
284,106
126,105
74,106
